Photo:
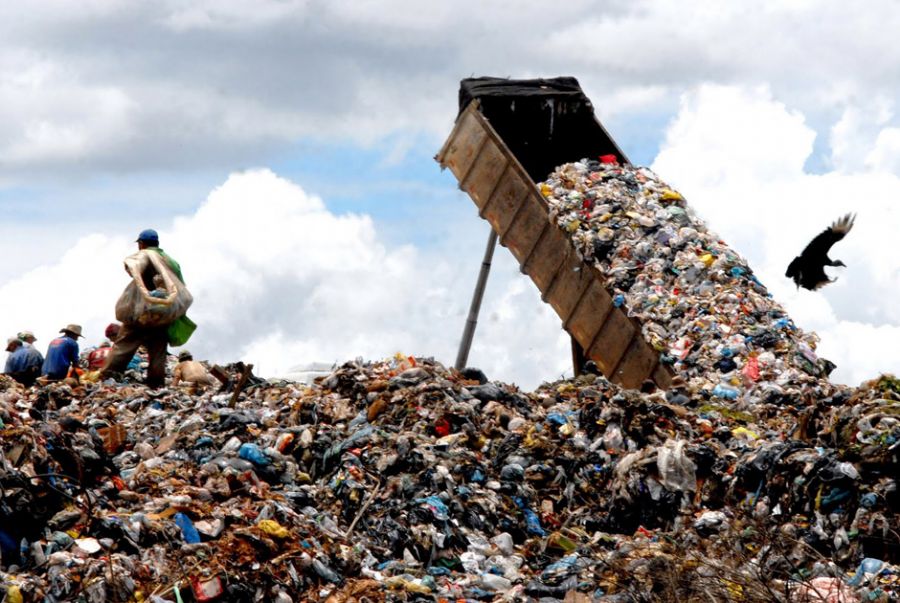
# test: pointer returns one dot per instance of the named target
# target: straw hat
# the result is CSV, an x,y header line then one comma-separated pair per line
x,y
72,329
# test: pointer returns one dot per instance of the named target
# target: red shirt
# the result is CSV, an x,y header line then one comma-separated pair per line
x,y
98,357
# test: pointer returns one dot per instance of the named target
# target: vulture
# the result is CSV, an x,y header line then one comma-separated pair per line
x,y
808,268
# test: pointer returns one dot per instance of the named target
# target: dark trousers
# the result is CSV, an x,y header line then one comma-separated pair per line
x,y
130,338
27,378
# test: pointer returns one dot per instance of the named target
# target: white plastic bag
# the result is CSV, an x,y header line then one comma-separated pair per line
x,y
677,472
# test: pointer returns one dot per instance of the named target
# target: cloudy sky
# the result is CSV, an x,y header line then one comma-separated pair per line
x,y
284,150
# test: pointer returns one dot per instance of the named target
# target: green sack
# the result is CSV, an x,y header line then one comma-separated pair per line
x,y
181,330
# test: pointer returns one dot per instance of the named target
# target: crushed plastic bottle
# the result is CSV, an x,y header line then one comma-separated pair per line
x,y
188,531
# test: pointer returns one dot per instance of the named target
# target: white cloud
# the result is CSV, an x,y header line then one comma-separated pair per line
x,y
863,350
885,155
853,136
77,288
37,127
741,135
631,99
278,280
112,85
230,15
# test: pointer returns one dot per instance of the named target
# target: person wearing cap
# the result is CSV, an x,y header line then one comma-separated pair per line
x,y
190,371
15,347
23,363
133,336
28,338
112,331
62,353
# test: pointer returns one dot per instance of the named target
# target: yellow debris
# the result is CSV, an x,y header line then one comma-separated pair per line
x,y
273,528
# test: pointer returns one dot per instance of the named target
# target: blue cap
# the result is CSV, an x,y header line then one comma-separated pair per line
x,y
148,236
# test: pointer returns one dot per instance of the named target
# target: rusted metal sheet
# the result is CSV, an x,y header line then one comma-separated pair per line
x,y
546,258
463,146
571,281
509,200
637,364
525,230
662,376
485,174
589,314
611,342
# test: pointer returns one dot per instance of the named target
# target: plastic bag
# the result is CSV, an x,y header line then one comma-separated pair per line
x,y
677,472
137,306
181,330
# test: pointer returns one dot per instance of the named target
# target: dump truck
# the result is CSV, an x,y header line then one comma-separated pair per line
x,y
508,136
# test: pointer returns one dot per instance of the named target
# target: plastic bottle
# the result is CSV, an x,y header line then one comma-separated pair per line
x,y
869,565
563,567
493,582
726,392
188,531
533,523
325,572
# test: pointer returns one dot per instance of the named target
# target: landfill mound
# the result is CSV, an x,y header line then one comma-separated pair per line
x,y
752,479
697,300
402,480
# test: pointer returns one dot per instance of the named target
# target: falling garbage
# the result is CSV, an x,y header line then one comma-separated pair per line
x,y
699,304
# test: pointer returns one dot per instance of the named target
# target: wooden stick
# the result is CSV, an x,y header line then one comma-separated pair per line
x,y
362,510
240,385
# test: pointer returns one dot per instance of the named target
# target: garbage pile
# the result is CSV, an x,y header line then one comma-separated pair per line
x,y
699,303
401,480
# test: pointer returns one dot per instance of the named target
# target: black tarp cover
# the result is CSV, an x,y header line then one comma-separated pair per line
x,y
544,122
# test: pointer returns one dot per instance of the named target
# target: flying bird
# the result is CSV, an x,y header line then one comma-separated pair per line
x,y
808,268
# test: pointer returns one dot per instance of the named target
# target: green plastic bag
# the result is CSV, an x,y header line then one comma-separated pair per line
x,y
181,330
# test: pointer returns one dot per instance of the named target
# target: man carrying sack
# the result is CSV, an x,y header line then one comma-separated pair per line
x,y
152,320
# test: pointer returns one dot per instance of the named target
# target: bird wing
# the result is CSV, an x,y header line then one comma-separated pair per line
x,y
793,269
820,245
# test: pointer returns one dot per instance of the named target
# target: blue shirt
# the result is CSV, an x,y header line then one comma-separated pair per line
x,y
36,359
62,352
23,359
